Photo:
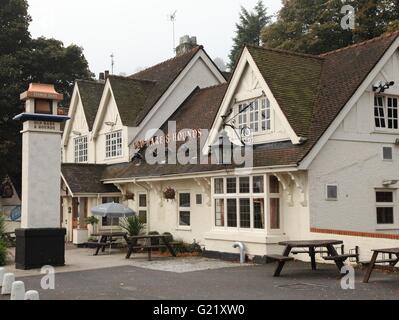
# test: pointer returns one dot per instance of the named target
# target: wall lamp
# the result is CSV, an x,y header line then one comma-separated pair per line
x,y
381,86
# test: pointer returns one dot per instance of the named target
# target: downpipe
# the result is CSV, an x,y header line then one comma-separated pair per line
x,y
240,245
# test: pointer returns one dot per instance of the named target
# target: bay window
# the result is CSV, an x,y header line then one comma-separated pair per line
x,y
246,202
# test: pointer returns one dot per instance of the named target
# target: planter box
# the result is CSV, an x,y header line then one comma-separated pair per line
x,y
80,236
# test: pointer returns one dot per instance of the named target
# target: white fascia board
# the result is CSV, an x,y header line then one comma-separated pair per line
x,y
107,94
200,55
245,59
71,114
66,184
306,162
209,174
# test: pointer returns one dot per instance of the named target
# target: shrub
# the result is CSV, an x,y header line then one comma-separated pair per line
x,y
132,225
3,253
2,225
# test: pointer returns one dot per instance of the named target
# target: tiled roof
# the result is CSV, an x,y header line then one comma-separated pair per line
x,y
294,81
86,178
131,96
90,93
311,91
163,74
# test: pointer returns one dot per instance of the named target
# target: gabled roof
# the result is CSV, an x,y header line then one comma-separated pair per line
x,y
199,109
90,94
294,81
163,74
131,96
326,83
85,178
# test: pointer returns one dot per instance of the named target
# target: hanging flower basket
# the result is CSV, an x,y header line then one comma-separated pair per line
x,y
169,193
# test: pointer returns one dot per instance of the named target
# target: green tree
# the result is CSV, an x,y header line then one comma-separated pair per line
x,y
24,60
248,30
314,26
14,40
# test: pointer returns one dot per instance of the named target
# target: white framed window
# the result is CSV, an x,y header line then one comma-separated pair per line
x,y
113,144
385,207
387,153
386,112
143,207
184,209
257,117
80,149
331,192
241,202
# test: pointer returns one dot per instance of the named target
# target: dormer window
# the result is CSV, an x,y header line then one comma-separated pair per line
x,y
257,117
386,112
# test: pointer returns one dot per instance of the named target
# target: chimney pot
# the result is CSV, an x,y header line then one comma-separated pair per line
x,y
187,43
106,74
101,76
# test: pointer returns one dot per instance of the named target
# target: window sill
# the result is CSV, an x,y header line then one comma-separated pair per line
x,y
183,229
386,131
387,227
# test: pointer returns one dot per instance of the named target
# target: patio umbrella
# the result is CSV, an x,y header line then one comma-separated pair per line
x,y
112,210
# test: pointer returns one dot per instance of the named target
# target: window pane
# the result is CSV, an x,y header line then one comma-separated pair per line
x,y
231,185
274,185
219,212
184,218
384,196
258,184
259,213
245,216
219,189
231,212
143,216
244,185
143,200
274,213
385,215
184,200
332,192
198,199
387,153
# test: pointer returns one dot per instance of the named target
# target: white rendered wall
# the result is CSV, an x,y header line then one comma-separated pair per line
x,y
41,167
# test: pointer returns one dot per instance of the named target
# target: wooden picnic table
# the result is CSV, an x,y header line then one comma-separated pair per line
x,y
311,245
106,238
392,261
149,244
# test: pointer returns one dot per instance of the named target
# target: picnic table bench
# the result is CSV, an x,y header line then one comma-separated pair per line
x,y
106,239
374,261
311,246
151,242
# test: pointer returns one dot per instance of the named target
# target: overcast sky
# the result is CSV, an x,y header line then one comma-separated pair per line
x,y
138,32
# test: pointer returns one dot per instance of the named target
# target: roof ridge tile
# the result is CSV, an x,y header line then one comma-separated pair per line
x,y
359,44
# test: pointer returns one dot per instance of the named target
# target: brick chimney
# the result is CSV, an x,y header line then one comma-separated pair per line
x,y
186,44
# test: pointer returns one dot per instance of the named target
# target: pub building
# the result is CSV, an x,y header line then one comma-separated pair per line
x,y
322,130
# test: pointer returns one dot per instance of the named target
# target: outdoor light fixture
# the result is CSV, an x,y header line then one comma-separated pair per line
x,y
110,123
381,86
76,133
387,183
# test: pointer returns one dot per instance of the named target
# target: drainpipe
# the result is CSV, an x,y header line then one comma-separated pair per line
x,y
240,245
